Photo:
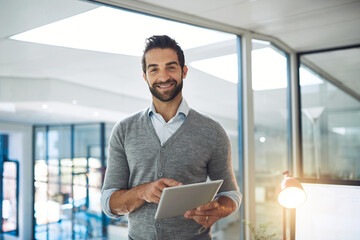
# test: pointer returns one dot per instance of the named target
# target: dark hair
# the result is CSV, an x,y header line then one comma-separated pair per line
x,y
162,41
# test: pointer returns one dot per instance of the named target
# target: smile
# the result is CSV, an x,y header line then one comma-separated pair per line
x,y
165,85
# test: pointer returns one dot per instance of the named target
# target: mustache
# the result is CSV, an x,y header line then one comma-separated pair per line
x,y
169,81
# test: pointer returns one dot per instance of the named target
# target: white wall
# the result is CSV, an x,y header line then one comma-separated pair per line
x,y
20,148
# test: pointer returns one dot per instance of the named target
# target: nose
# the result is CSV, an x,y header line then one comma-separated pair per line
x,y
163,75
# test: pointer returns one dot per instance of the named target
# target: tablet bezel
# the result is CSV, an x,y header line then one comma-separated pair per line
x,y
175,201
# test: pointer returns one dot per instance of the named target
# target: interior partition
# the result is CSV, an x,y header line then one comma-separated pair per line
x,y
69,167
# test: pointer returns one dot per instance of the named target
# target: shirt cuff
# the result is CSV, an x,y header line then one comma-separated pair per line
x,y
236,196
105,198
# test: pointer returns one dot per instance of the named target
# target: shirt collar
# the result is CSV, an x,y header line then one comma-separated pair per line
x,y
183,109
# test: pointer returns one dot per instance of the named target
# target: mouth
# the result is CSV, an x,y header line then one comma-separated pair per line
x,y
165,85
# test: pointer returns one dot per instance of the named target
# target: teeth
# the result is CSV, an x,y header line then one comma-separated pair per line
x,y
164,86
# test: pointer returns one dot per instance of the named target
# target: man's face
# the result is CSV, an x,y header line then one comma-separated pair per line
x,y
164,74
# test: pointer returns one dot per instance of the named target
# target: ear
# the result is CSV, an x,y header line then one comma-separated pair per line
x,y
144,76
184,71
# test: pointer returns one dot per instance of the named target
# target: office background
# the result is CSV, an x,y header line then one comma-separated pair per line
x,y
282,77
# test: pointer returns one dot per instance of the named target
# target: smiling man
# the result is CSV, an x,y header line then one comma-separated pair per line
x,y
169,89
167,145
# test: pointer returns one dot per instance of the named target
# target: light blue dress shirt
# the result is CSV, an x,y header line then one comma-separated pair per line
x,y
163,129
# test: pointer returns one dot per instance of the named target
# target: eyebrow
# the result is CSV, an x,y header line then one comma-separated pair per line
x,y
171,63
167,64
152,65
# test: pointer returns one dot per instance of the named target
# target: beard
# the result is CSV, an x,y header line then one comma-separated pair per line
x,y
167,95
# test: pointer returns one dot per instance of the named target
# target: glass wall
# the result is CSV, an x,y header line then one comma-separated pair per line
x,y
9,190
68,170
330,116
67,164
269,84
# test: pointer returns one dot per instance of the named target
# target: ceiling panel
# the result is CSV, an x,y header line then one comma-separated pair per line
x,y
194,7
17,16
321,37
286,20
311,19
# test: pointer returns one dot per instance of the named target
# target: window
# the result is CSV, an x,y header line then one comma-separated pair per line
x,y
269,84
330,115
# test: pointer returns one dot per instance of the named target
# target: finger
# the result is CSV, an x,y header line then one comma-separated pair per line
x,y
189,213
158,187
208,206
152,195
169,182
153,192
206,221
154,199
201,214
209,221
157,192
210,213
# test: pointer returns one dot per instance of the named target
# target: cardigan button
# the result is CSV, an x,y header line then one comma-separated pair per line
x,y
160,174
162,150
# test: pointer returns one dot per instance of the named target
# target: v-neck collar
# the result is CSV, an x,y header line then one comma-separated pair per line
x,y
175,134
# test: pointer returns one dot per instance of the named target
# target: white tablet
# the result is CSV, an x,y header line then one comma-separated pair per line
x,y
175,201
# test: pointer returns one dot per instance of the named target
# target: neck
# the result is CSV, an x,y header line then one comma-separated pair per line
x,y
167,109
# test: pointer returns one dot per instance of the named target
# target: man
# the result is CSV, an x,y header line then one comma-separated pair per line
x,y
167,145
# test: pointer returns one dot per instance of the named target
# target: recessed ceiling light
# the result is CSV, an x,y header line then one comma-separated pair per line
x,y
264,75
112,30
7,107
45,106
224,67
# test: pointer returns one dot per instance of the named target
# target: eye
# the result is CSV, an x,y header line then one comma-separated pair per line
x,y
153,70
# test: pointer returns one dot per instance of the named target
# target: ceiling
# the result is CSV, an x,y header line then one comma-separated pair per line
x,y
302,25
49,84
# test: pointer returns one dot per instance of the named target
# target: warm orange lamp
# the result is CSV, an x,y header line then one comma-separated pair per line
x,y
290,195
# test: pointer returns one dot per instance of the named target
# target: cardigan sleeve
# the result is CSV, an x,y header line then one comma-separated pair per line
x,y
220,164
117,169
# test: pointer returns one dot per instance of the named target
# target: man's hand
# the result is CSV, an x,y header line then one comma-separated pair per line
x,y
151,192
205,215
208,214
126,201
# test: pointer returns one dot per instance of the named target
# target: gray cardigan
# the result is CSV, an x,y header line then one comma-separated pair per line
x,y
199,149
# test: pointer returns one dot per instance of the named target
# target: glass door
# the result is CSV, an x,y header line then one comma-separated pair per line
x,y
68,169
